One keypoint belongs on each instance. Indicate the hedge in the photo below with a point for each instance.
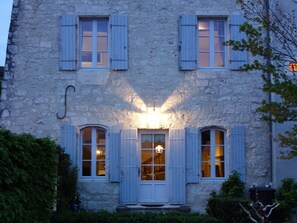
(107, 217)
(28, 175)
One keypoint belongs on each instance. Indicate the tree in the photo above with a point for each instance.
(272, 41)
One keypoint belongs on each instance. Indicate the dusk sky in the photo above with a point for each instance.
(5, 12)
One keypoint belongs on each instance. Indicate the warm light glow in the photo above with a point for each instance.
(153, 117)
(159, 149)
(99, 152)
(293, 66)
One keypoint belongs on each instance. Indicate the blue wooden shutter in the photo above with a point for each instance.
(188, 42)
(237, 58)
(192, 155)
(129, 169)
(68, 25)
(68, 141)
(114, 156)
(177, 179)
(119, 42)
(238, 150)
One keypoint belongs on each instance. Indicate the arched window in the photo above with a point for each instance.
(93, 150)
(212, 153)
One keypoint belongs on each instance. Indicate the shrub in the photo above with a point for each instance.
(28, 168)
(106, 217)
(225, 204)
(67, 182)
(287, 198)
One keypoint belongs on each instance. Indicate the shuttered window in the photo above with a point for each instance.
(102, 42)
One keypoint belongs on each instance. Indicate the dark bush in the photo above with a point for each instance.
(287, 198)
(106, 217)
(67, 182)
(225, 205)
(28, 173)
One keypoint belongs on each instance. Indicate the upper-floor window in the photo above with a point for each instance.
(211, 36)
(93, 43)
(212, 153)
(93, 150)
(201, 42)
(102, 42)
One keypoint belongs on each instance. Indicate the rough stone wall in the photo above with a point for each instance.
(33, 89)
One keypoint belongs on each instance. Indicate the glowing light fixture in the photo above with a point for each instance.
(159, 149)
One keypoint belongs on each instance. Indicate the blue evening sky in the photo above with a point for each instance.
(5, 12)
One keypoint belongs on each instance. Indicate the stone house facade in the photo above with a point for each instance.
(142, 94)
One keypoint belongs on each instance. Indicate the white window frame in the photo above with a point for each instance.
(93, 156)
(212, 153)
(94, 42)
(211, 42)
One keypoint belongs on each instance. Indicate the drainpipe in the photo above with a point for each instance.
(268, 62)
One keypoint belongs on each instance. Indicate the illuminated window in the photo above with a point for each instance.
(212, 153)
(93, 152)
(211, 36)
(93, 43)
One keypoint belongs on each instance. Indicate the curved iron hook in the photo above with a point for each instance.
(65, 101)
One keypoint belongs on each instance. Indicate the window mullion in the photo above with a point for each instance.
(211, 43)
(212, 152)
(94, 43)
(93, 152)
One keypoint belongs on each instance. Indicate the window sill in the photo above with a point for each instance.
(93, 76)
(92, 179)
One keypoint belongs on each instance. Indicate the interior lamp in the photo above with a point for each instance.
(159, 149)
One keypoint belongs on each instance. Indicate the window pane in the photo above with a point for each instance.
(100, 153)
(86, 169)
(100, 136)
(159, 139)
(87, 135)
(159, 173)
(219, 137)
(159, 158)
(102, 43)
(218, 44)
(87, 152)
(100, 168)
(87, 27)
(146, 156)
(102, 59)
(203, 28)
(205, 135)
(146, 172)
(205, 153)
(220, 169)
(219, 153)
(219, 28)
(203, 44)
(204, 59)
(102, 27)
(87, 43)
(86, 59)
(219, 59)
(205, 169)
(146, 141)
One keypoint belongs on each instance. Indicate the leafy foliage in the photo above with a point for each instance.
(106, 217)
(67, 182)
(287, 198)
(28, 170)
(272, 41)
(225, 205)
